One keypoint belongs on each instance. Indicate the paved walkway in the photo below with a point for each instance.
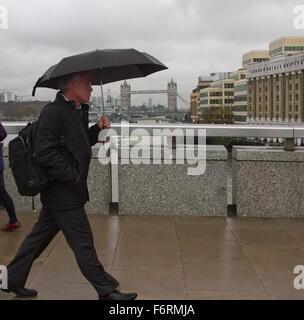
(173, 257)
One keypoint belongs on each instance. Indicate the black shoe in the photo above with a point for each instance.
(22, 292)
(116, 295)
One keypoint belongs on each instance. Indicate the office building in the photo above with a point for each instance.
(194, 104)
(216, 102)
(240, 96)
(286, 45)
(254, 56)
(275, 90)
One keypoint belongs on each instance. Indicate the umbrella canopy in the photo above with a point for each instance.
(108, 65)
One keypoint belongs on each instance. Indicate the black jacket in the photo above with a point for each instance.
(63, 148)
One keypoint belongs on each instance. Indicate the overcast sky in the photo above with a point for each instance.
(191, 37)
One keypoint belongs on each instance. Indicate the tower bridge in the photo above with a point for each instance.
(126, 92)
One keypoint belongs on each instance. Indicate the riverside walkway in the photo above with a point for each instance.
(165, 257)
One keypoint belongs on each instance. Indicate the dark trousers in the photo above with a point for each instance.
(7, 201)
(76, 229)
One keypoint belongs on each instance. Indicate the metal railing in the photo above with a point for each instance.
(287, 132)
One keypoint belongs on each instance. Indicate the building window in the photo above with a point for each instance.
(294, 48)
(216, 94)
(228, 101)
(241, 98)
(240, 118)
(216, 101)
(229, 93)
(277, 50)
(297, 86)
(204, 94)
(242, 87)
(228, 85)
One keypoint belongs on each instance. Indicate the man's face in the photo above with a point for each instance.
(82, 87)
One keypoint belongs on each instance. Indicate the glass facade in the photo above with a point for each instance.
(216, 101)
(296, 48)
(240, 98)
(260, 59)
(247, 61)
(229, 85)
(240, 118)
(204, 94)
(229, 101)
(236, 77)
(229, 93)
(275, 51)
(242, 108)
(216, 94)
(252, 60)
(242, 87)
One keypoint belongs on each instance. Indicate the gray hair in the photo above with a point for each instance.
(63, 82)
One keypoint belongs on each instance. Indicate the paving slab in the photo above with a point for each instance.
(161, 257)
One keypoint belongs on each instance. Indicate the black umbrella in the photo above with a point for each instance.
(108, 65)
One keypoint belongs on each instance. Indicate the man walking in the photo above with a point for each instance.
(63, 148)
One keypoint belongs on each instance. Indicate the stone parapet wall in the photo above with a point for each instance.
(167, 189)
(268, 181)
(98, 184)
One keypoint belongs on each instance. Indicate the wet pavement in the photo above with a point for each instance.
(163, 257)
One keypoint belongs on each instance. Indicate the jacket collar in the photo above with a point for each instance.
(69, 104)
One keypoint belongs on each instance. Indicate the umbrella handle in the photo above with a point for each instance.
(104, 138)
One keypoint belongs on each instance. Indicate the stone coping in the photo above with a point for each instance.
(213, 152)
(94, 152)
(267, 153)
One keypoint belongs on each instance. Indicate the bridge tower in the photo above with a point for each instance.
(125, 96)
(172, 98)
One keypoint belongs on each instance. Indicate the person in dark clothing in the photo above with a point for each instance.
(4, 196)
(63, 148)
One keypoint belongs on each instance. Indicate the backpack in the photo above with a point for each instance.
(29, 177)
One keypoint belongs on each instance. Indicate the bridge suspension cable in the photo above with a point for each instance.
(183, 99)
